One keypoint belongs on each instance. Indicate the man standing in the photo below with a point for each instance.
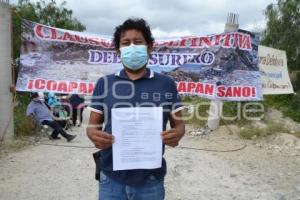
(77, 103)
(38, 110)
(133, 86)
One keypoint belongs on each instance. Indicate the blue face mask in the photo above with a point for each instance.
(134, 56)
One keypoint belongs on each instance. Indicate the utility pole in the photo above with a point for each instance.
(6, 98)
(216, 106)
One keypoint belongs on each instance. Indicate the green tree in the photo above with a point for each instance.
(283, 29)
(45, 12)
(283, 32)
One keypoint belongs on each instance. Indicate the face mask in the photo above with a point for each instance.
(36, 99)
(41, 96)
(134, 56)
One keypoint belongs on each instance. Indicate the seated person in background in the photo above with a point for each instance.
(53, 104)
(65, 102)
(40, 111)
(52, 100)
(57, 109)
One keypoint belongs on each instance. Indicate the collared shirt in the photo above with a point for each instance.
(39, 110)
(117, 91)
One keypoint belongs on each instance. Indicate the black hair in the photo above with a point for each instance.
(136, 24)
(34, 95)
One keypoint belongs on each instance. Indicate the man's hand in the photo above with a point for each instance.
(172, 136)
(101, 139)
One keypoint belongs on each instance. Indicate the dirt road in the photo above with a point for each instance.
(258, 171)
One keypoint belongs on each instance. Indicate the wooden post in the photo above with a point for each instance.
(216, 106)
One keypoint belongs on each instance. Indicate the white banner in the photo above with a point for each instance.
(219, 66)
(275, 76)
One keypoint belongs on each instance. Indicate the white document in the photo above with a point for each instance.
(138, 143)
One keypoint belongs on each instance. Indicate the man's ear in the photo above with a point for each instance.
(150, 48)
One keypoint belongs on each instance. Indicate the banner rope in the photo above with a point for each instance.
(179, 147)
(243, 146)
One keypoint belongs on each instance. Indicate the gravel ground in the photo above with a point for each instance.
(261, 170)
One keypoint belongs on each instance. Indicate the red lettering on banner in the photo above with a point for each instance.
(51, 85)
(226, 40)
(218, 40)
(199, 88)
(185, 42)
(236, 91)
(94, 41)
(38, 31)
(254, 92)
(91, 88)
(173, 43)
(82, 88)
(80, 39)
(221, 91)
(72, 86)
(62, 87)
(205, 42)
(30, 85)
(39, 84)
(247, 92)
(244, 42)
(68, 36)
(50, 33)
(53, 34)
(181, 87)
(195, 87)
(182, 43)
(106, 44)
(191, 86)
(228, 92)
(209, 89)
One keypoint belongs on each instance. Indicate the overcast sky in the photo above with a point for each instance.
(169, 17)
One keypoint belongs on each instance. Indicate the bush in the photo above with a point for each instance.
(22, 128)
(289, 105)
(250, 131)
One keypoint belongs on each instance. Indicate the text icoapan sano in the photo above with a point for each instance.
(67, 87)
